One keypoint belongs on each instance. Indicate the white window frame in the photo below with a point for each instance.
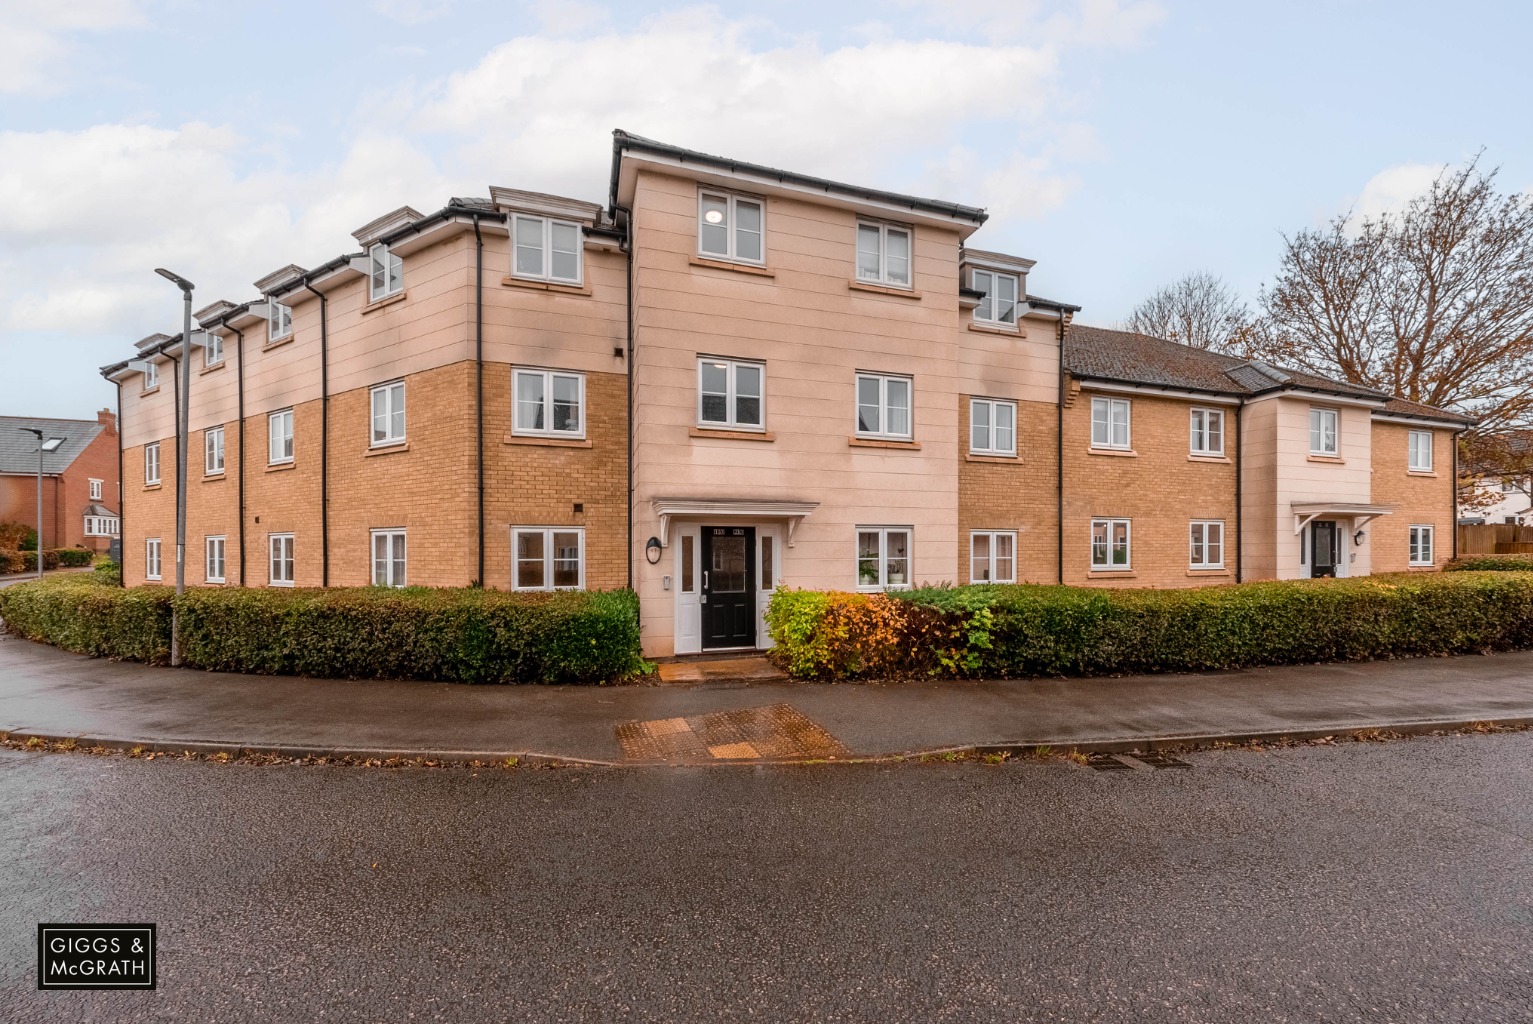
(279, 322)
(731, 201)
(1203, 431)
(394, 395)
(994, 559)
(544, 242)
(393, 267)
(212, 350)
(1112, 406)
(289, 446)
(95, 489)
(985, 312)
(151, 375)
(101, 526)
(152, 465)
(153, 552)
(883, 278)
(390, 535)
(1205, 526)
(547, 377)
(274, 562)
(1317, 421)
(991, 407)
(209, 546)
(1418, 533)
(548, 556)
(213, 451)
(884, 532)
(1128, 544)
(883, 433)
(731, 419)
(1411, 451)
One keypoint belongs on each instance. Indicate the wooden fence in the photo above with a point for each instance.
(1495, 539)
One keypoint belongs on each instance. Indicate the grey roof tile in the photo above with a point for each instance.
(18, 448)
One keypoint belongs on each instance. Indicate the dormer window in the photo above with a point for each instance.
(279, 322)
(213, 350)
(388, 272)
(151, 376)
(999, 306)
(545, 249)
(883, 254)
(729, 227)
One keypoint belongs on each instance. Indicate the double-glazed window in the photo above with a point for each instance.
(1206, 544)
(550, 403)
(100, 526)
(280, 559)
(1110, 544)
(1419, 443)
(883, 254)
(729, 227)
(387, 276)
(993, 556)
(279, 434)
(883, 557)
(1322, 432)
(214, 561)
(548, 558)
(151, 376)
(729, 393)
(1109, 423)
(999, 306)
(95, 490)
(883, 406)
(213, 349)
(1421, 545)
(213, 451)
(152, 558)
(1207, 432)
(545, 249)
(992, 427)
(279, 322)
(388, 414)
(151, 463)
(389, 558)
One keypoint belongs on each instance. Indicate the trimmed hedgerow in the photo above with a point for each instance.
(473, 636)
(74, 558)
(1490, 563)
(1017, 631)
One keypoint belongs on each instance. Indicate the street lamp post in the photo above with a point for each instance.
(50, 445)
(185, 373)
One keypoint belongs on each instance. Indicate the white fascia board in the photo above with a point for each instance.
(1206, 398)
(1321, 398)
(996, 261)
(539, 204)
(1420, 421)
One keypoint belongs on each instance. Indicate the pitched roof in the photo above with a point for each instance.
(1405, 407)
(18, 447)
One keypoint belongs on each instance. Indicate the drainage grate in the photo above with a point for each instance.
(1107, 763)
(1158, 760)
(774, 731)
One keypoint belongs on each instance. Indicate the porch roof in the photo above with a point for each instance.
(754, 508)
(1304, 511)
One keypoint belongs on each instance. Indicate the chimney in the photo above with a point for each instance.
(108, 419)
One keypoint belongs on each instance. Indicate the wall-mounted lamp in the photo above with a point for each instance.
(652, 550)
(1357, 538)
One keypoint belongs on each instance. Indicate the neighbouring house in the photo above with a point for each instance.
(80, 495)
(1486, 496)
(729, 378)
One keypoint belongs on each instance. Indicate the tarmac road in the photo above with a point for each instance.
(1360, 882)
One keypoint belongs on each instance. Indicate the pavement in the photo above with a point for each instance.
(11, 579)
(52, 693)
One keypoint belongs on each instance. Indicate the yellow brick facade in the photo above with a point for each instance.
(1423, 499)
(1017, 494)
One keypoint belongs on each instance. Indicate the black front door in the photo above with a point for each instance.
(729, 586)
(1322, 560)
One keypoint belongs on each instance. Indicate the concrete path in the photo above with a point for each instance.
(13, 578)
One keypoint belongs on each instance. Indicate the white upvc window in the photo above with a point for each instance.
(1420, 445)
(100, 526)
(214, 563)
(729, 394)
(151, 463)
(388, 403)
(548, 558)
(279, 433)
(1421, 545)
(1205, 544)
(389, 558)
(1207, 431)
(1322, 432)
(152, 558)
(279, 548)
(95, 489)
(993, 556)
(883, 254)
(999, 306)
(730, 227)
(151, 376)
(388, 272)
(550, 403)
(992, 427)
(883, 557)
(213, 350)
(213, 451)
(279, 322)
(883, 406)
(545, 249)
(1110, 423)
(1110, 539)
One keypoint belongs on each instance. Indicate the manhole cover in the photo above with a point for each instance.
(748, 734)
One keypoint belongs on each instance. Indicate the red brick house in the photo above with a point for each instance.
(81, 501)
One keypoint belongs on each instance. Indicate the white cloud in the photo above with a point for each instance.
(39, 39)
(1391, 189)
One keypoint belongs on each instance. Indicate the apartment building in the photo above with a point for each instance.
(79, 478)
(726, 379)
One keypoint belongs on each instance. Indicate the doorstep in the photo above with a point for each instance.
(747, 668)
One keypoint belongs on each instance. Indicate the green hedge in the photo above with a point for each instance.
(75, 558)
(473, 636)
(1019, 631)
(1490, 563)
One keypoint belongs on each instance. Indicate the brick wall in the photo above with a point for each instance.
(1424, 499)
(151, 512)
(1013, 494)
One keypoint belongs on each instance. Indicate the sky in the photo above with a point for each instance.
(1120, 143)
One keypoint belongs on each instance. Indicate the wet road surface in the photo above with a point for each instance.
(1361, 882)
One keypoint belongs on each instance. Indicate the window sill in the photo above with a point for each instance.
(387, 449)
(732, 435)
(537, 285)
(984, 328)
(211, 369)
(1111, 574)
(1117, 453)
(153, 579)
(1217, 459)
(1421, 568)
(277, 344)
(547, 442)
(278, 467)
(1421, 472)
(387, 300)
(149, 391)
(884, 289)
(730, 265)
(1338, 460)
(213, 476)
(151, 487)
(873, 442)
(1208, 572)
(280, 583)
(981, 457)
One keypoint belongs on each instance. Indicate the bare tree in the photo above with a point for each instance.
(1199, 310)
(1434, 304)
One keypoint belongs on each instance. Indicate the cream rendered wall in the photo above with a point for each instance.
(146, 418)
(557, 328)
(1303, 477)
(1023, 364)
